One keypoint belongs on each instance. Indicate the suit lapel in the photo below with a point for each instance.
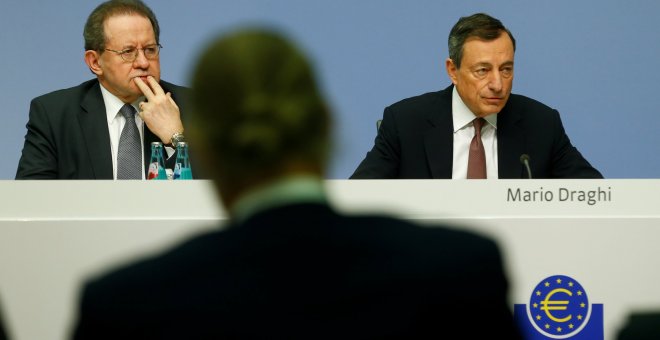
(510, 144)
(439, 139)
(94, 128)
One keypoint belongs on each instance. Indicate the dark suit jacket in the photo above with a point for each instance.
(415, 141)
(641, 326)
(3, 332)
(304, 271)
(67, 135)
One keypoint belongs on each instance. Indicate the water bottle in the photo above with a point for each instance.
(182, 168)
(157, 162)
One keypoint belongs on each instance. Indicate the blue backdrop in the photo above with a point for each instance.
(594, 61)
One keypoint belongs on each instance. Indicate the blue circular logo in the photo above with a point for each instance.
(559, 307)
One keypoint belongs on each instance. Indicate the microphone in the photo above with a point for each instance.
(524, 159)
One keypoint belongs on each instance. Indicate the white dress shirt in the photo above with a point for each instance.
(464, 131)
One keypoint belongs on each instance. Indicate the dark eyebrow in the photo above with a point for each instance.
(132, 47)
(477, 65)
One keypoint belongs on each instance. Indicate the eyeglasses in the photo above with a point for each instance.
(130, 54)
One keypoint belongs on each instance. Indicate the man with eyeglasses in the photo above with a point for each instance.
(103, 128)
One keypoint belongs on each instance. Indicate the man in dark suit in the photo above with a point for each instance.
(429, 136)
(76, 133)
(289, 265)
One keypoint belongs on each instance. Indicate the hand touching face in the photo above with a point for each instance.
(159, 111)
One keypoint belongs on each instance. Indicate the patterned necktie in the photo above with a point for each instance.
(477, 156)
(129, 153)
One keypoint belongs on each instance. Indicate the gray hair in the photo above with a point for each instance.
(479, 25)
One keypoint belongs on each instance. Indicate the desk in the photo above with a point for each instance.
(54, 234)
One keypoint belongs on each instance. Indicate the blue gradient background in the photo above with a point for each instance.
(594, 61)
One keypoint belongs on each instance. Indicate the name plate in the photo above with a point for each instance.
(438, 199)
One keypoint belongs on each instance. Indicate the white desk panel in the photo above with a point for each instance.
(54, 234)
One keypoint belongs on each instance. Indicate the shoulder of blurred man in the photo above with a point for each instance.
(320, 224)
(309, 254)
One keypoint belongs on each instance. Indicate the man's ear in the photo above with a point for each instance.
(93, 61)
(451, 70)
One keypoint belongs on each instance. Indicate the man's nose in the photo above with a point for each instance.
(141, 60)
(495, 81)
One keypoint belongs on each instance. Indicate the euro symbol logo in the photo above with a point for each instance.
(548, 305)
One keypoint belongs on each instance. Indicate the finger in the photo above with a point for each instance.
(169, 96)
(143, 87)
(155, 86)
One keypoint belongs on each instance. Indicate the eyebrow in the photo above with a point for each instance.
(481, 64)
(126, 47)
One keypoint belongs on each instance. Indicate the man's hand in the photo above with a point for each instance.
(159, 112)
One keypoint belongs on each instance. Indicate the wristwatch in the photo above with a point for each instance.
(176, 138)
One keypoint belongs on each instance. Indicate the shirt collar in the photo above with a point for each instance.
(290, 190)
(461, 114)
(114, 104)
